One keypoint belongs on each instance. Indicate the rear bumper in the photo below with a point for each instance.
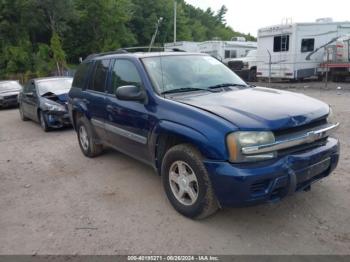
(254, 183)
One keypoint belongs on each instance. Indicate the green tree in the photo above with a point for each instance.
(36, 36)
(220, 16)
(58, 54)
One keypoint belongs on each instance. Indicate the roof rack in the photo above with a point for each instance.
(132, 50)
(125, 51)
(118, 51)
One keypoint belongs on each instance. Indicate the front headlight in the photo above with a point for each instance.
(330, 117)
(53, 106)
(237, 140)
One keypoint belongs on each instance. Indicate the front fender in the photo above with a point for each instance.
(77, 106)
(189, 135)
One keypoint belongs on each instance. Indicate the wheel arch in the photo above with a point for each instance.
(78, 110)
(168, 134)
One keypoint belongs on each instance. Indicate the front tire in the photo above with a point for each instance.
(43, 122)
(86, 139)
(186, 182)
(21, 113)
(252, 75)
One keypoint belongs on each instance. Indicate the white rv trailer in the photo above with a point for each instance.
(294, 51)
(226, 50)
(187, 46)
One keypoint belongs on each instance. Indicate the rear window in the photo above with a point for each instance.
(80, 75)
(99, 76)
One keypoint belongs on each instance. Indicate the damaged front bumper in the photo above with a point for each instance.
(57, 119)
(269, 181)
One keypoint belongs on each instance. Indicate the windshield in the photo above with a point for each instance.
(56, 86)
(187, 72)
(10, 86)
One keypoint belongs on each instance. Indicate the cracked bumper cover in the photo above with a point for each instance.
(57, 119)
(254, 183)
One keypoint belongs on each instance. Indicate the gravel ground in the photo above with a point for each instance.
(53, 200)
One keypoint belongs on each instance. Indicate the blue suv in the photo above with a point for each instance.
(215, 141)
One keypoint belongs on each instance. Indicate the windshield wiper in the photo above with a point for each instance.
(186, 89)
(226, 85)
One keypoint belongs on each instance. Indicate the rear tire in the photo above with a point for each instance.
(186, 182)
(252, 75)
(86, 139)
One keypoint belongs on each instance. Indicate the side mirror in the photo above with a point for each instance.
(29, 94)
(130, 93)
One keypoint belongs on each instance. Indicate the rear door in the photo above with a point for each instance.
(94, 96)
(127, 122)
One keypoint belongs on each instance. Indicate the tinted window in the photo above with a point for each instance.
(124, 73)
(307, 45)
(281, 43)
(98, 79)
(29, 87)
(80, 75)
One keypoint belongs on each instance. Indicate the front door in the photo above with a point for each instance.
(127, 122)
(30, 101)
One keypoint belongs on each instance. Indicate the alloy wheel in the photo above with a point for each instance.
(83, 138)
(183, 183)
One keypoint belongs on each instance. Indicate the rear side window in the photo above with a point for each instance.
(80, 75)
(99, 76)
(124, 73)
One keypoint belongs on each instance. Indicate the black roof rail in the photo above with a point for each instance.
(118, 51)
(146, 48)
(126, 50)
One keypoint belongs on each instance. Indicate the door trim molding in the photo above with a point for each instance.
(120, 131)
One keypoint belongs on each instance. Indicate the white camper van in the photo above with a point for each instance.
(226, 50)
(187, 46)
(294, 51)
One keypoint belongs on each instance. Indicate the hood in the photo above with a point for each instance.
(63, 97)
(59, 97)
(259, 108)
(9, 92)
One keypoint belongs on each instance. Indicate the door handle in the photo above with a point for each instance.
(112, 109)
(109, 108)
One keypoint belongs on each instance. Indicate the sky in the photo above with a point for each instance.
(247, 16)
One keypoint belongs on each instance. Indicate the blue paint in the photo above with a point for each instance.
(204, 119)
